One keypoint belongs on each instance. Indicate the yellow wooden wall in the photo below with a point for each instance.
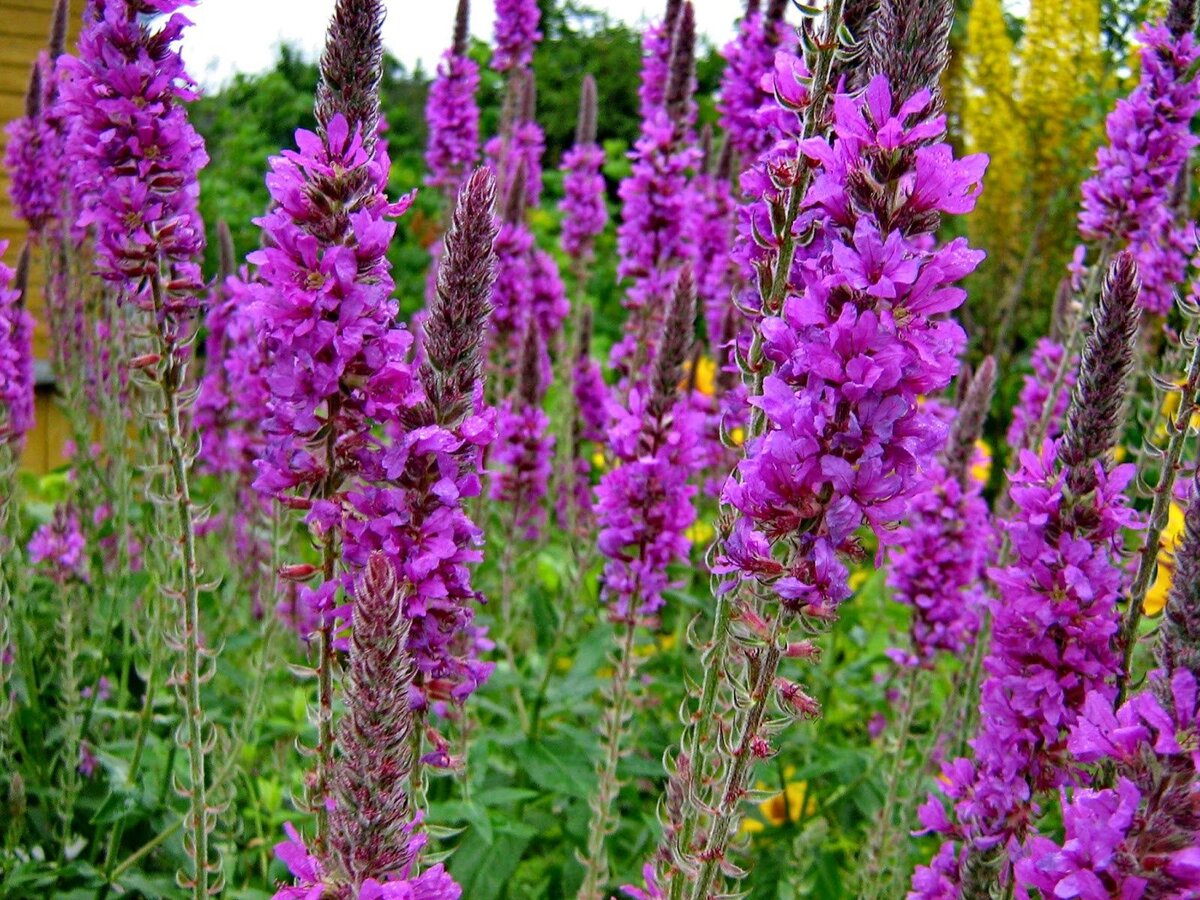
(24, 30)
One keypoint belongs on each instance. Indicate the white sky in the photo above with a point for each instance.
(243, 35)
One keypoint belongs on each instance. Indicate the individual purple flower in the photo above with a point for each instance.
(16, 357)
(584, 210)
(644, 503)
(89, 763)
(748, 57)
(453, 113)
(516, 34)
(134, 154)
(58, 547)
(522, 459)
(1128, 201)
(1035, 389)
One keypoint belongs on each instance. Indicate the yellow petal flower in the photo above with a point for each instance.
(858, 578)
(981, 468)
(738, 436)
(598, 461)
(706, 376)
(1156, 597)
(700, 532)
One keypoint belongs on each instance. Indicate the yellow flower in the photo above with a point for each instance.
(1170, 406)
(786, 806)
(738, 436)
(667, 642)
(700, 532)
(706, 376)
(858, 578)
(981, 468)
(1168, 543)
(598, 461)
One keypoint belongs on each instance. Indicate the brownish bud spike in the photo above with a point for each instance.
(352, 66)
(455, 326)
(226, 254)
(58, 29)
(585, 128)
(910, 44)
(968, 424)
(462, 28)
(776, 10)
(33, 93)
(752, 6)
(683, 64)
(529, 377)
(514, 200)
(529, 97)
(674, 346)
(1181, 17)
(1096, 415)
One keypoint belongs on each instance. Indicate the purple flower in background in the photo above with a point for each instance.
(657, 43)
(937, 563)
(35, 156)
(516, 34)
(584, 210)
(58, 548)
(748, 57)
(16, 358)
(524, 450)
(1129, 199)
(452, 112)
(644, 503)
(1035, 389)
(134, 154)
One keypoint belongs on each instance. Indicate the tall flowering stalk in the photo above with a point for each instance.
(413, 505)
(453, 112)
(1129, 199)
(644, 508)
(584, 211)
(135, 164)
(516, 34)
(657, 46)
(1055, 624)
(652, 240)
(337, 360)
(838, 438)
(373, 841)
(937, 567)
(16, 417)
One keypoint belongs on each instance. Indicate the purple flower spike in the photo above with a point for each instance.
(516, 34)
(453, 113)
(16, 356)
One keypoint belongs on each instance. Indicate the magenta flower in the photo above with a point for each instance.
(16, 360)
(516, 34)
(134, 155)
(748, 57)
(452, 112)
(1035, 390)
(1129, 199)
(35, 156)
(58, 548)
(584, 210)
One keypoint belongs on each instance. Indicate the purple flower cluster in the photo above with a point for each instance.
(516, 34)
(453, 116)
(518, 153)
(35, 157)
(434, 883)
(748, 57)
(135, 156)
(1128, 200)
(644, 503)
(1138, 838)
(337, 358)
(861, 338)
(937, 563)
(1052, 644)
(653, 240)
(59, 548)
(1035, 390)
(16, 360)
(644, 507)
(583, 206)
(657, 41)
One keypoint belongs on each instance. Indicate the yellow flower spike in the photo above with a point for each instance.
(1168, 543)
(598, 461)
(981, 468)
(700, 532)
(738, 436)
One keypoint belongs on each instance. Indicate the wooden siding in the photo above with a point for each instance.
(24, 30)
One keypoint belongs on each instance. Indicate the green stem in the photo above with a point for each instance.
(608, 786)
